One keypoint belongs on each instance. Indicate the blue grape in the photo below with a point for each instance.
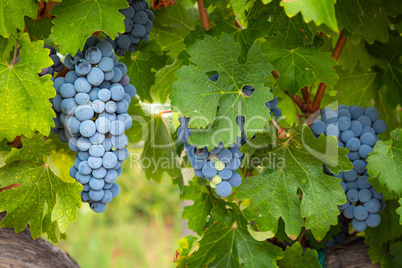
(111, 176)
(225, 156)
(235, 180)
(125, 80)
(94, 162)
(84, 168)
(92, 41)
(73, 171)
(368, 139)
(85, 187)
(117, 75)
(329, 117)
(95, 76)
(108, 185)
(351, 185)
(84, 112)
(104, 94)
(98, 207)
(343, 186)
(109, 160)
(83, 67)
(380, 126)
(365, 121)
(83, 155)
(344, 206)
(67, 90)
(376, 195)
(130, 90)
(93, 94)
(359, 166)
(115, 189)
(117, 92)
(373, 206)
(372, 113)
(96, 195)
(365, 150)
(81, 178)
(347, 135)
(106, 64)
(208, 170)
(365, 195)
(83, 144)
(117, 128)
(121, 106)
(356, 128)
(234, 164)
(82, 85)
(359, 226)
(102, 125)
(128, 12)
(373, 220)
(109, 75)
(93, 55)
(105, 48)
(68, 105)
(224, 189)
(349, 212)
(98, 106)
(111, 107)
(332, 130)
(57, 103)
(353, 144)
(138, 31)
(350, 175)
(121, 154)
(226, 174)
(96, 184)
(360, 213)
(73, 125)
(97, 138)
(368, 130)
(352, 195)
(123, 42)
(356, 112)
(122, 67)
(344, 113)
(362, 183)
(96, 150)
(344, 123)
(107, 143)
(99, 173)
(82, 98)
(107, 196)
(87, 128)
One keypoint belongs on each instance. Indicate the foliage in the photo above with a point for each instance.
(293, 47)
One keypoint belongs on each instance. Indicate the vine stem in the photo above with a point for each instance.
(15, 53)
(238, 25)
(203, 15)
(321, 88)
(165, 112)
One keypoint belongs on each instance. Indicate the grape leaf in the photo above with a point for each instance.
(43, 199)
(39, 29)
(238, 5)
(198, 212)
(295, 258)
(375, 23)
(156, 129)
(25, 96)
(294, 30)
(387, 113)
(288, 166)
(385, 162)
(78, 19)
(381, 238)
(163, 79)
(348, 14)
(392, 76)
(320, 11)
(195, 96)
(142, 66)
(228, 243)
(172, 25)
(393, 7)
(356, 55)
(355, 88)
(298, 67)
(13, 13)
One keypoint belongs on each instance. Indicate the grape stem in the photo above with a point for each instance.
(237, 24)
(15, 53)
(305, 105)
(203, 15)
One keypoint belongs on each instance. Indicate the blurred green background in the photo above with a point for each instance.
(140, 228)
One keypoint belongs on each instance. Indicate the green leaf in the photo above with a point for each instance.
(43, 200)
(294, 30)
(228, 243)
(387, 113)
(197, 213)
(142, 66)
(156, 130)
(195, 96)
(392, 76)
(291, 165)
(381, 238)
(25, 96)
(295, 258)
(348, 14)
(13, 13)
(39, 29)
(163, 80)
(78, 19)
(298, 67)
(375, 24)
(356, 88)
(354, 55)
(172, 25)
(385, 162)
(393, 7)
(319, 11)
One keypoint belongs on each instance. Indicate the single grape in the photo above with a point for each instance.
(98, 207)
(104, 94)
(359, 226)
(84, 112)
(96, 195)
(95, 76)
(96, 184)
(82, 98)
(93, 55)
(115, 189)
(360, 213)
(373, 220)
(99, 173)
(224, 189)
(87, 128)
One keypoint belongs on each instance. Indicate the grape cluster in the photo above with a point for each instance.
(138, 24)
(219, 166)
(91, 106)
(57, 66)
(356, 129)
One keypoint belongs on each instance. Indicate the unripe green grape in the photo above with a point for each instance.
(219, 165)
(217, 179)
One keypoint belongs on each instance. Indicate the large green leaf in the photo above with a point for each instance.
(298, 67)
(319, 11)
(142, 66)
(156, 129)
(43, 200)
(172, 25)
(195, 96)
(385, 162)
(24, 95)
(13, 13)
(163, 79)
(392, 69)
(289, 166)
(76, 20)
(228, 243)
(374, 23)
(296, 258)
(197, 213)
(348, 14)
